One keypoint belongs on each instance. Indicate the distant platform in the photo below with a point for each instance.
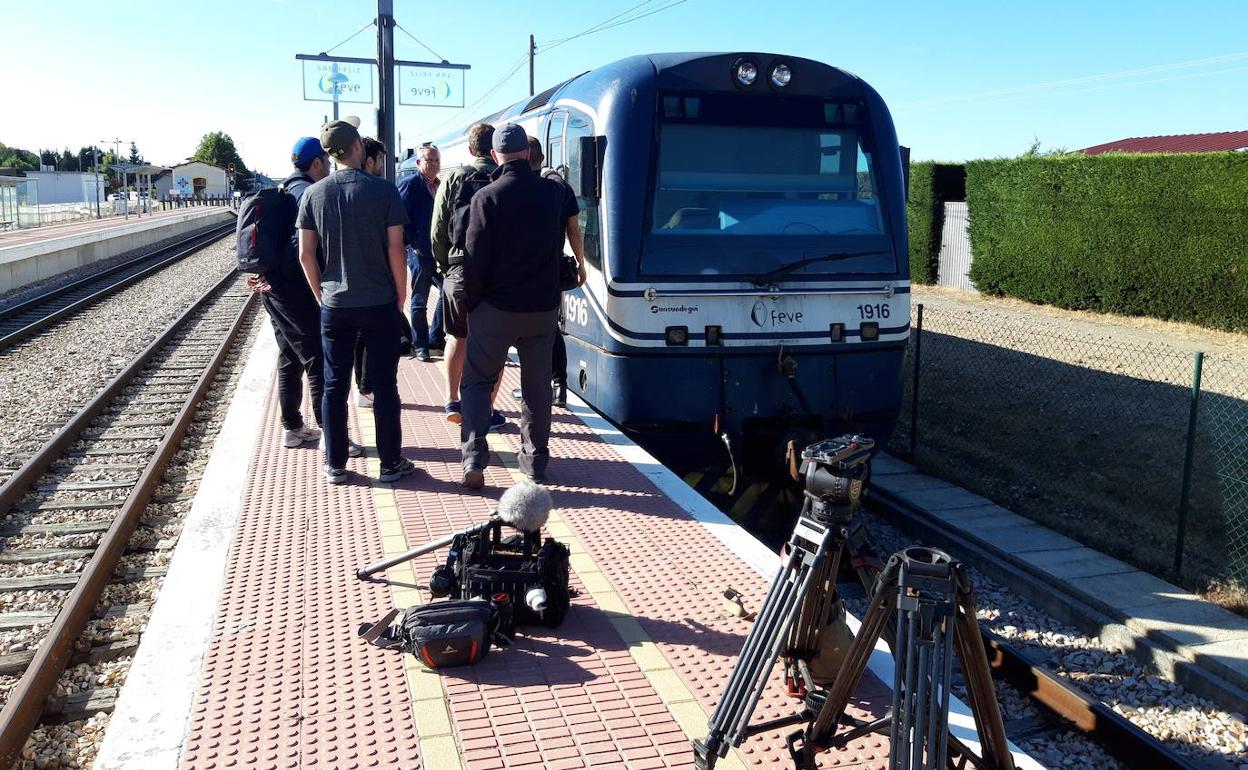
(37, 253)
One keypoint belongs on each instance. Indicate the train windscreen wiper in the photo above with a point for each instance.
(764, 279)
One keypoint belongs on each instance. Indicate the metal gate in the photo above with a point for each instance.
(954, 261)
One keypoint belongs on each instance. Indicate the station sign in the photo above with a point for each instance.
(327, 80)
(428, 85)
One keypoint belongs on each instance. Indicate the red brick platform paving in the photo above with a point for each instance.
(286, 683)
(668, 568)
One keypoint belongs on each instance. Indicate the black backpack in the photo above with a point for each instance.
(265, 227)
(472, 181)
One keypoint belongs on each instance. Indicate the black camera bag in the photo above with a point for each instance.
(440, 635)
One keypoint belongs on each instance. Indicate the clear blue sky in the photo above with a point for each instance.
(964, 79)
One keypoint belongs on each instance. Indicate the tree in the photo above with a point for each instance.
(15, 157)
(218, 149)
(135, 157)
(67, 161)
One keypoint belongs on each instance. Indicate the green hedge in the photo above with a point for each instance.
(1154, 235)
(931, 184)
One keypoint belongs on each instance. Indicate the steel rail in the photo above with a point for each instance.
(195, 242)
(25, 705)
(16, 485)
(1112, 731)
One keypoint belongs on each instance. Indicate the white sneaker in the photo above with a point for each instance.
(353, 449)
(363, 399)
(293, 438)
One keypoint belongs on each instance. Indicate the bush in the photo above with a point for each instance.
(1152, 234)
(931, 185)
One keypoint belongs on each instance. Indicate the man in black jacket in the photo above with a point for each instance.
(511, 286)
(293, 310)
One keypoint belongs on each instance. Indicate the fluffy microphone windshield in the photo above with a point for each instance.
(526, 506)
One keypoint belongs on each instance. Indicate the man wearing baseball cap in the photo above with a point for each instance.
(511, 287)
(351, 248)
(293, 310)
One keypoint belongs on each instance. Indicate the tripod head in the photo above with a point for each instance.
(836, 472)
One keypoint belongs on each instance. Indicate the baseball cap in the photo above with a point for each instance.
(306, 150)
(338, 135)
(510, 138)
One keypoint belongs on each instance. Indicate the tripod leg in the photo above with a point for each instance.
(980, 695)
(731, 717)
(823, 728)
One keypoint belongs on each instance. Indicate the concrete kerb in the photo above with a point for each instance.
(1211, 670)
(148, 726)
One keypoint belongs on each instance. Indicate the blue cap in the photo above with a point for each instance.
(306, 150)
(510, 138)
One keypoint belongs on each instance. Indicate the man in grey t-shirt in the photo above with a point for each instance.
(359, 277)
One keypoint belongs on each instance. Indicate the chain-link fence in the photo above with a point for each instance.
(1089, 433)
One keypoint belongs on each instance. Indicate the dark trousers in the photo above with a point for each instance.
(297, 325)
(559, 359)
(361, 365)
(490, 332)
(424, 275)
(340, 329)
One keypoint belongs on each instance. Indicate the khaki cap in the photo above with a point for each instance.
(338, 135)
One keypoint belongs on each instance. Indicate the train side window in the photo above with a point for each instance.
(554, 139)
(579, 125)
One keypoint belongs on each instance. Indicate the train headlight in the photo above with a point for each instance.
(677, 335)
(746, 72)
(870, 332)
(836, 332)
(781, 74)
(714, 335)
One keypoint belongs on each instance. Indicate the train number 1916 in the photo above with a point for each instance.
(575, 310)
(872, 311)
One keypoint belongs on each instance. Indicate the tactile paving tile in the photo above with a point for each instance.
(285, 683)
(571, 697)
(665, 565)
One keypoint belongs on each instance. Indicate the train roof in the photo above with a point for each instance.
(655, 65)
(660, 62)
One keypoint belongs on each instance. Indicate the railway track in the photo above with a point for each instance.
(32, 315)
(69, 512)
(1061, 707)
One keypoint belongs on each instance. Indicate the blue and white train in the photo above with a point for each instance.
(744, 221)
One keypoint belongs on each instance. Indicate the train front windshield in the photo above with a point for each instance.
(733, 187)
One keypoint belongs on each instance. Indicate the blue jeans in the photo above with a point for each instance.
(374, 327)
(425, 274)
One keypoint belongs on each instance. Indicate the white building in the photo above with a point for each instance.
(193, 179)
(67, 186)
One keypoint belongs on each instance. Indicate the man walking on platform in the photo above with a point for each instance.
(417, 192)
(450, 218)
(511, 286)
(358, 276)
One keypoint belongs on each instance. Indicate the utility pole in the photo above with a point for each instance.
(532, 53)
(385, 68)
(96, 152)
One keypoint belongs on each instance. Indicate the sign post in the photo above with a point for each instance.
(350, 79)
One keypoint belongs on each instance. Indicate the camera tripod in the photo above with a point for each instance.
(925, 588)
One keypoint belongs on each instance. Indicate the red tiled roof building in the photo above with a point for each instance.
(1224, 141)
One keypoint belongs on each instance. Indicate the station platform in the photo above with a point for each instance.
(33, 254)
(252, 657)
